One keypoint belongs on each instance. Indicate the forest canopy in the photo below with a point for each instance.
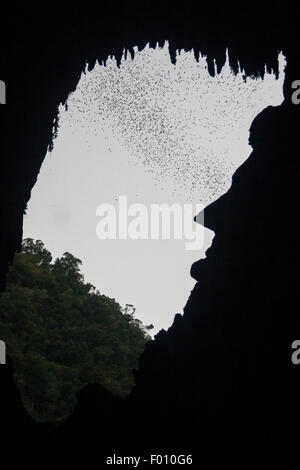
(62, 334)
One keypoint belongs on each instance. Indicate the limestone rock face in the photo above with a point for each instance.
(228, 359)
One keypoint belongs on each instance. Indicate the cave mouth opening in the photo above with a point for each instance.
(155, 132)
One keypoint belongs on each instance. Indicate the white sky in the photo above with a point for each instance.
(157, 133)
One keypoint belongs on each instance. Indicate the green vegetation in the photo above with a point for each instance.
(62, 333)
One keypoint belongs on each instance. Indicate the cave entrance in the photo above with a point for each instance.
(155, 133)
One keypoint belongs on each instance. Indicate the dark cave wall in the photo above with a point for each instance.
(212, 368)
(228, 358)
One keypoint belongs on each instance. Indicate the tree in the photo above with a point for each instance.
(62, 333)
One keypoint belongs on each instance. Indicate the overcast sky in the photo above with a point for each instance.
(157, 133)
